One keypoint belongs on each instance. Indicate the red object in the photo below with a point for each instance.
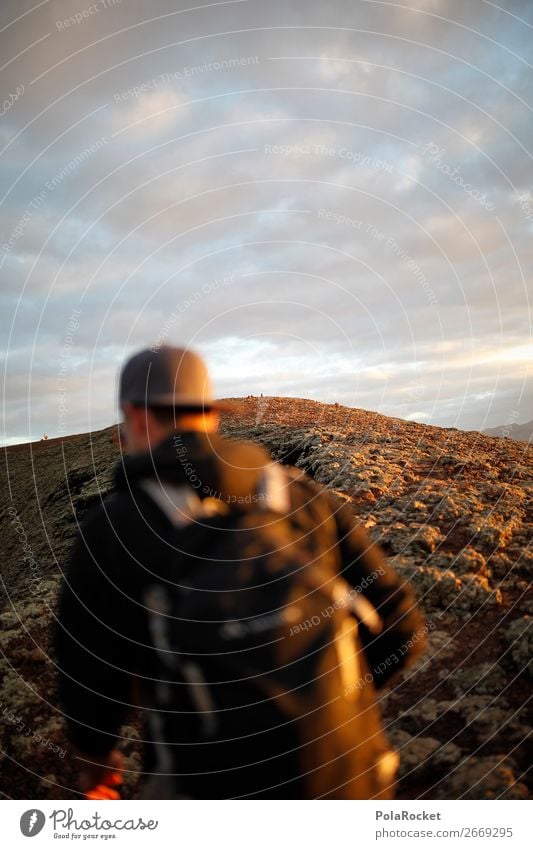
(105, 789)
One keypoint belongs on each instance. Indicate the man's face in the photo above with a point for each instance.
(141, 431)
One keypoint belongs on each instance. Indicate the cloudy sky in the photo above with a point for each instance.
(328, 200)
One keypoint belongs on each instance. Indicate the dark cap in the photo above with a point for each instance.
(166, 377)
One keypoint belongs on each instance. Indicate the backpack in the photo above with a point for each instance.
(257, 637)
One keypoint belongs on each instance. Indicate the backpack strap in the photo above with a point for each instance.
(180, 504)
(273, 489)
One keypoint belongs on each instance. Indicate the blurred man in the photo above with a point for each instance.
(234, 603)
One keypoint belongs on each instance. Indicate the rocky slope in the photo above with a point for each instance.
(452, 511)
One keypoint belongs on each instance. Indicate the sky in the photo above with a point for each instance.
(327, 200)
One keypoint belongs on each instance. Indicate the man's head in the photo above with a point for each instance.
(162, 391)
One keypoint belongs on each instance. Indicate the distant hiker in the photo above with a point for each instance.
(237, 604)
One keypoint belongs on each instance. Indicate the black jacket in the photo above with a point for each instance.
(104, 650)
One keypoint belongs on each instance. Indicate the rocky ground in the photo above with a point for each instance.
(452, 510)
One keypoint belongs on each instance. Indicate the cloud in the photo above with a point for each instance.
(325, 197)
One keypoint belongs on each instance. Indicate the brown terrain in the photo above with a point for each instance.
(452, 510)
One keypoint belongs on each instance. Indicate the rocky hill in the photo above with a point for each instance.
(451, 509)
